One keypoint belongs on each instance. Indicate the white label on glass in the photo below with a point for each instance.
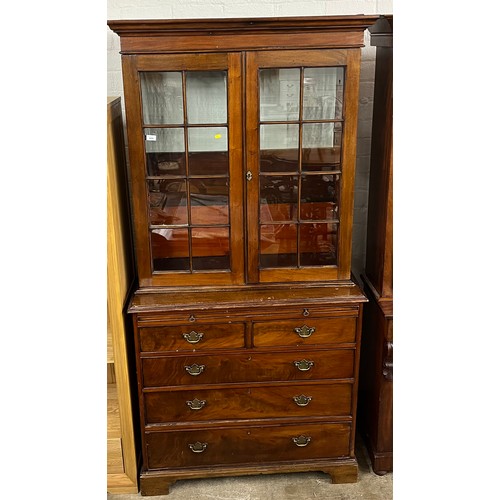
(150, 137)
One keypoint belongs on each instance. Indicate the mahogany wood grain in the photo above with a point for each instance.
(248, 367)
(282, 332)
(326, 399)
(343, 470)
(213, 336)
(375, 393)
(247, 445)
(351, 95)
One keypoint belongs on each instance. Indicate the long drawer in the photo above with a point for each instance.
(247, 445)
(308, 331)
(246, 403)
(251, 367)
(189, 337)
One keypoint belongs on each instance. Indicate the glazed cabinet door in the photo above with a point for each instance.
(301, 120)
(185, 148)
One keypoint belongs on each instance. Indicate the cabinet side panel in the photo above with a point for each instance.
(136, 156)
(349, 162)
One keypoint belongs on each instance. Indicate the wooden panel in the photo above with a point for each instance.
(326, 331)
(171, 370)
(115, 460)
(252, 402)
(186, 43)
(248, 444)
(120, 274)
(213, 336)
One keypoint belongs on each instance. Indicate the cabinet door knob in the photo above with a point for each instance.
(193, 337)
(249, 176)
(303, 365)
(301, 440)
(302, 400)
(196, 404)
(304, 331)
(198, 447)
(195, 369)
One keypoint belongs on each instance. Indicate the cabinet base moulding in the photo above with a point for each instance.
(159, 482)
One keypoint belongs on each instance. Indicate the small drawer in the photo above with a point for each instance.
(254, 367)
(306, 331)
(189, 337)
(247, 445)
(253, 402)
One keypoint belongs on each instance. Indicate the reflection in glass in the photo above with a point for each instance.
(165, 151)
(170, 249)
(209, 201)
(207, 148)
(319, 197)
(278, 198)
(278, 245)
(162, 98)
(167, 202)
(323, 93)
(206, 95)
(210, 247)
(279, 148)
(321, 146)
(279, 94)
(318, 244)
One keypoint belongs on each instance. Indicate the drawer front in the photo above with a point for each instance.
(247, 445)
(189, 337)
(258, 402)
(260, 367)
(304, 331)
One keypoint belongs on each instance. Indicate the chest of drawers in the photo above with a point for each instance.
(261, 382)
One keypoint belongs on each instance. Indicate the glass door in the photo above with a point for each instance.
(300, 151)
(190, 183)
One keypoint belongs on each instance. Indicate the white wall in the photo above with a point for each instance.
(173, 9)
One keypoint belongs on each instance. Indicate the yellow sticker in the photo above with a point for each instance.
(218, 136)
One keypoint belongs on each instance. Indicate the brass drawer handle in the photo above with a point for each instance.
(198, 447)
(195, 369)
(196, 404)
(304, 331)
(302, 400)
(303, 365)
(301, 440)
(193, 337)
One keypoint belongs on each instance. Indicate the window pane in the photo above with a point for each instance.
(162, 98)
(208, 151)
(278, 198)
(318, 244)
(206, 95)
(278, 245)
(319, 197)
(323, 93)
(167, 202)
(210, 247)
(279, 94)
(279, 148)
(170, 249)
(209, 201)
(165, 151)
(321, 146)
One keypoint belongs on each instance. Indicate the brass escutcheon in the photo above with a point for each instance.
(193, 337)
(302, 400)
(196, 404)
(195, 369)
(303, 365)
(301, 440)
(304, 331)
(199, 447)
